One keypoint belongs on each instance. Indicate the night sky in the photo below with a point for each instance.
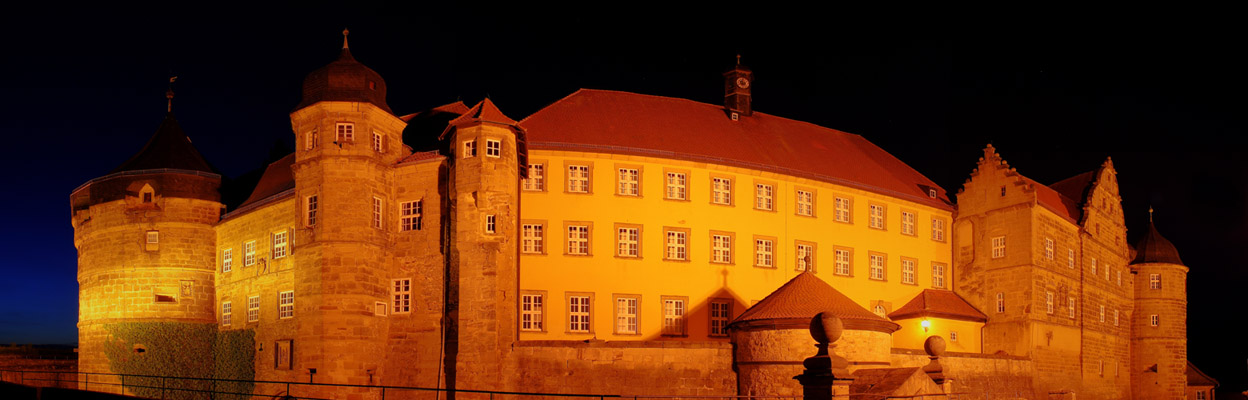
(83, 90)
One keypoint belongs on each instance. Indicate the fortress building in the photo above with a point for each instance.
(615, 243)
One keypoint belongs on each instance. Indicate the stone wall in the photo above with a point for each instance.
(660, 368)
(979, 376)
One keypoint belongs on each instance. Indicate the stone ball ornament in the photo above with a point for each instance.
(826, 327)
(934, 346)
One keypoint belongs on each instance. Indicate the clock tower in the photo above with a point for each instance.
(737, 82)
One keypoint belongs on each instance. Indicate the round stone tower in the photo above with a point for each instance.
(146, 244)
(1159, 324)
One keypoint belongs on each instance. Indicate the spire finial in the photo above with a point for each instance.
(1150, 214)
(169, 94)
(344, 37)
(738, 59)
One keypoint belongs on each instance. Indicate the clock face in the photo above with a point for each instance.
(743, 83)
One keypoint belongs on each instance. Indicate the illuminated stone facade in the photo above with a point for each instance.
(584, 250)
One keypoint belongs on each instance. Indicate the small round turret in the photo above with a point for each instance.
(1159, 325)
(345, 79)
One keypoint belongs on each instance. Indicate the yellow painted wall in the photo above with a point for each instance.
(911, 335)
(604, 275)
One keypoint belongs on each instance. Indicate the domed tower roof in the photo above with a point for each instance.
(1153, 248)
(345, 79)
(168, 148)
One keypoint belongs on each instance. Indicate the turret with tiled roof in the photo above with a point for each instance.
(1154, 248)
(1159, 323)
(345, 79)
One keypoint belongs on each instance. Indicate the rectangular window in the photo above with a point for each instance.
(1000, 302)
(938, 229)
(677, 242)
(843, 209)
(531, 238)
(470, 149)
(805, 260)
(721, 249)
(877, 216)
(531, 312)
(309, 139)
(1094, 266)
(1070, 306)
(410, 218)
(721, 191)
(493, 148)
(1154, 320)
(938, 276)
(1115, 317)
(578, 240)
(286, 305)
(377, 212)
(279, 245)
(1070, 258)
(1048, 302)
(400, 296)
(628, 242)
(907, 223)
(1119, 274)
(491, 224)
(345, 132)
(843, 262)
(226, 311)
(673, 317)
(578, 314)
(1048, 248)
(877, 266)
(578, 178)
(253, 308)
(998, 247)
(310, 211)
(537, 178)
(907, 271)
(676, 186)
(805, 203)
(249, 253)
(629, 182)
(764, 198)
(227, 260)
(721, 314)
(763, 254)
(377, 143)
(153, 237)
(1154, 281)
(1102, 313)
(626, 315)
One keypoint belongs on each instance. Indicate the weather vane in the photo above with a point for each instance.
(169, 93)
(344, 37)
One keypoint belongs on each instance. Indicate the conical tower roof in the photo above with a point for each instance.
(1153, 248)
(168, 148)
(806, 295)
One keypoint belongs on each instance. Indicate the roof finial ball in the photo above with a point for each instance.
(935, 347)
(1150, 214)
(826, 329)
(344, 37)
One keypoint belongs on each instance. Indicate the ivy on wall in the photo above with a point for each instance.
(181, 350)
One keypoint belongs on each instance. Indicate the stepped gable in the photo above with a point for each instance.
(1154, 248)
(939, 304)
(1046, 197)
(277, 178)
(168, 148)
(344, 79)
(804, 296)
(638, 124)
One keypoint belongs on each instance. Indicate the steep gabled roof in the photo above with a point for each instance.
(1196, 377)
(1075, 187)
(1055, 201)
(804, 296)
(168, 148)
(630, 123)
(939, 304)
(485, 111)
(277, 178)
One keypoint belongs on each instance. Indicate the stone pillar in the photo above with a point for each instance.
(826, 376)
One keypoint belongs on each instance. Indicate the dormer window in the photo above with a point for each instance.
(931, 193)
(345, 132)
(147, 194)
(147, 197)
(372, 85)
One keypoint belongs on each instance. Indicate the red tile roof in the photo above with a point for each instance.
(168, 148)
(457, 108)
(1055, 201)
(485, 111)
(620, 122)
(277, 178)
(805, 296)
(939, 304)
(420, 156)
(1196, 377)
(1074, 187)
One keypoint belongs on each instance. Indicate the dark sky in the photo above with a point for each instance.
(1163, 95)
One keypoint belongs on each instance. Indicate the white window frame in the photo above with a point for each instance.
(531, 305)
(579, 314)
(401, 296)
(310, 205)
(1154, 320)
(227, 260)
(249, 253)
(469, 149)
(378, 143)
(1115, 317)
(1119, 277)
(674, 317)
(805, 203)
(1093, 266)
(409, 215)
(280, 242)
(630, 182)
(491, 224)
(764, 196)
(253, 309)
(286, 304)
(628, 242)
(344, 132)
(877, 263)
(844, 262)
(764, 253)
(677, 188)
(721, 249)
(938, 275)
(1070, 258)
(531, 238)
(1102, 313)
(804, 257)
(578, 178)
(844, 209)
(153, 237)
(1000, 302)
(493, 148)
(721, 315)
(721, 190)
(908, 268)
(536, 181)
(677, 245)
(998, 247)
(578, 240)
(876, 213)
(227, 313)
(1048, 303)
(626, 315)
(1070, 306)
(378, 212)
(1048, 248)
(938, 229)
(309, 139)
(908, 223)
(1154, 281)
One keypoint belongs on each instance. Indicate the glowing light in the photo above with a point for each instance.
(926, 325)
